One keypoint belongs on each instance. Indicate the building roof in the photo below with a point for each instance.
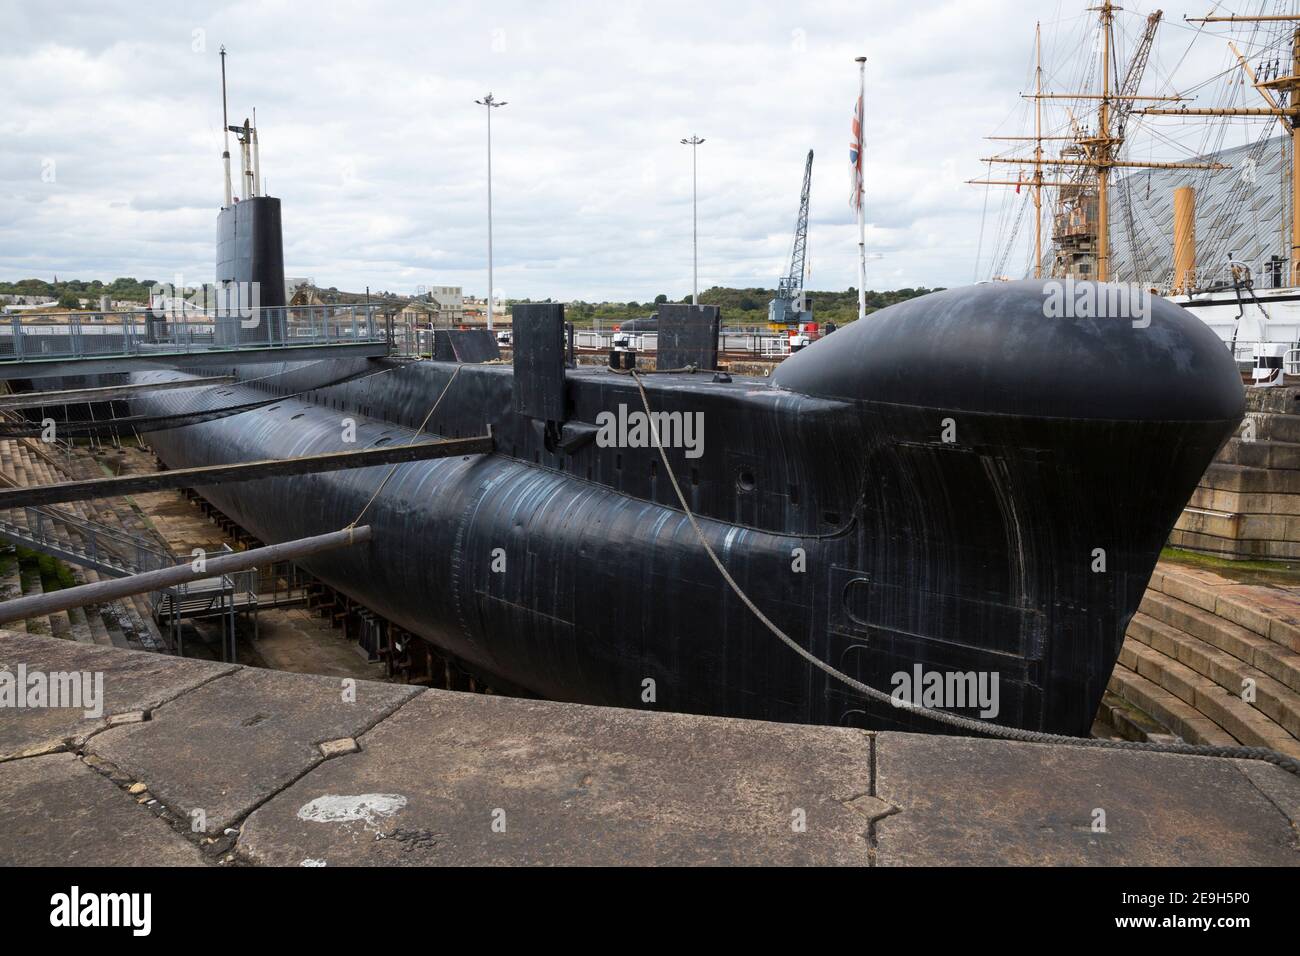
(1239, 214)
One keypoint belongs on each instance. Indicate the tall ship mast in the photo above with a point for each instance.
(1277, 93)
(1115, 214)
(1081, 169)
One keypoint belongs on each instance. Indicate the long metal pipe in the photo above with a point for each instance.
(694, 143)
(695, 227)
(208, 475)
(225, 129)
(100, 592)
(105, 393)
(489, 104)
(257, 160)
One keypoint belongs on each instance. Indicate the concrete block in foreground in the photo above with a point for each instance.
(133, 681)
(975, 802)
(467, 779)
(229, 745)
(56, 811)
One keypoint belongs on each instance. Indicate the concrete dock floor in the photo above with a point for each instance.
(197, 762)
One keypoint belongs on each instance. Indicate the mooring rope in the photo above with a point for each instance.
(939, 716)
(393, 469)
(684, 370)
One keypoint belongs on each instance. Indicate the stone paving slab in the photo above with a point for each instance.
(573, 785)
(56, 811)
(444, 778)
(133, 681)
(1276, 784)
(227, 746)
(965, 801)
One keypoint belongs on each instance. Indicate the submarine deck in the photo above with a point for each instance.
(285, 773)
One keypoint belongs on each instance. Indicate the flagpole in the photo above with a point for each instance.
(862, 222)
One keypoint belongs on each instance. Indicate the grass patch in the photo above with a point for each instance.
(1210, 561)
(55, 575)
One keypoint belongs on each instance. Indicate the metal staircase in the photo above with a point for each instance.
(117, 553)
(76, 539)
(82, 542)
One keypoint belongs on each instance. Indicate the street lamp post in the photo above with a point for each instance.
(694, 143)
(491, 104)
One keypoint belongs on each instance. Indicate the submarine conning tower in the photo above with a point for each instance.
(250, 244)
(250, 270)
(964, 483)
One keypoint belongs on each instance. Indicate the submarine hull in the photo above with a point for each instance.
(948, 523)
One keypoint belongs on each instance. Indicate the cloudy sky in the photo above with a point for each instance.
(110, 135)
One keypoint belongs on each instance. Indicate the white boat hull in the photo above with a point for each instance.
(1262, 326)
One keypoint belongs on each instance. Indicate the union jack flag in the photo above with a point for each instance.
(855, 157)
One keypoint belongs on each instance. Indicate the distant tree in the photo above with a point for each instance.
(660, 299)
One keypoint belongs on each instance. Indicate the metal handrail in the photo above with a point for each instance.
(233, 583)
(106, 547)
(1244, 351)
(159, 331)
(763, 343)
(115, 550)
(1221, 277)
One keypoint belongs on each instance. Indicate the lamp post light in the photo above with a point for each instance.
(694, 143)
(490, 104)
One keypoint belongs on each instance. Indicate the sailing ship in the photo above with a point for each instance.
(1214, 230)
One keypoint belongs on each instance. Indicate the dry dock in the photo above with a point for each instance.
(206, 763)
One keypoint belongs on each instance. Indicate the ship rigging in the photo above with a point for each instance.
(1209, 228)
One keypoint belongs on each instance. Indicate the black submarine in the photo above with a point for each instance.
(971, 483)
(958, 484)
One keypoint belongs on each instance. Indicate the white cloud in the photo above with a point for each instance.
(371, 137)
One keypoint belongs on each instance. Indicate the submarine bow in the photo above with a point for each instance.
(960, 484)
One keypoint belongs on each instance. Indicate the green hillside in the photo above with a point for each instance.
(740, 307)
(68, 291)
